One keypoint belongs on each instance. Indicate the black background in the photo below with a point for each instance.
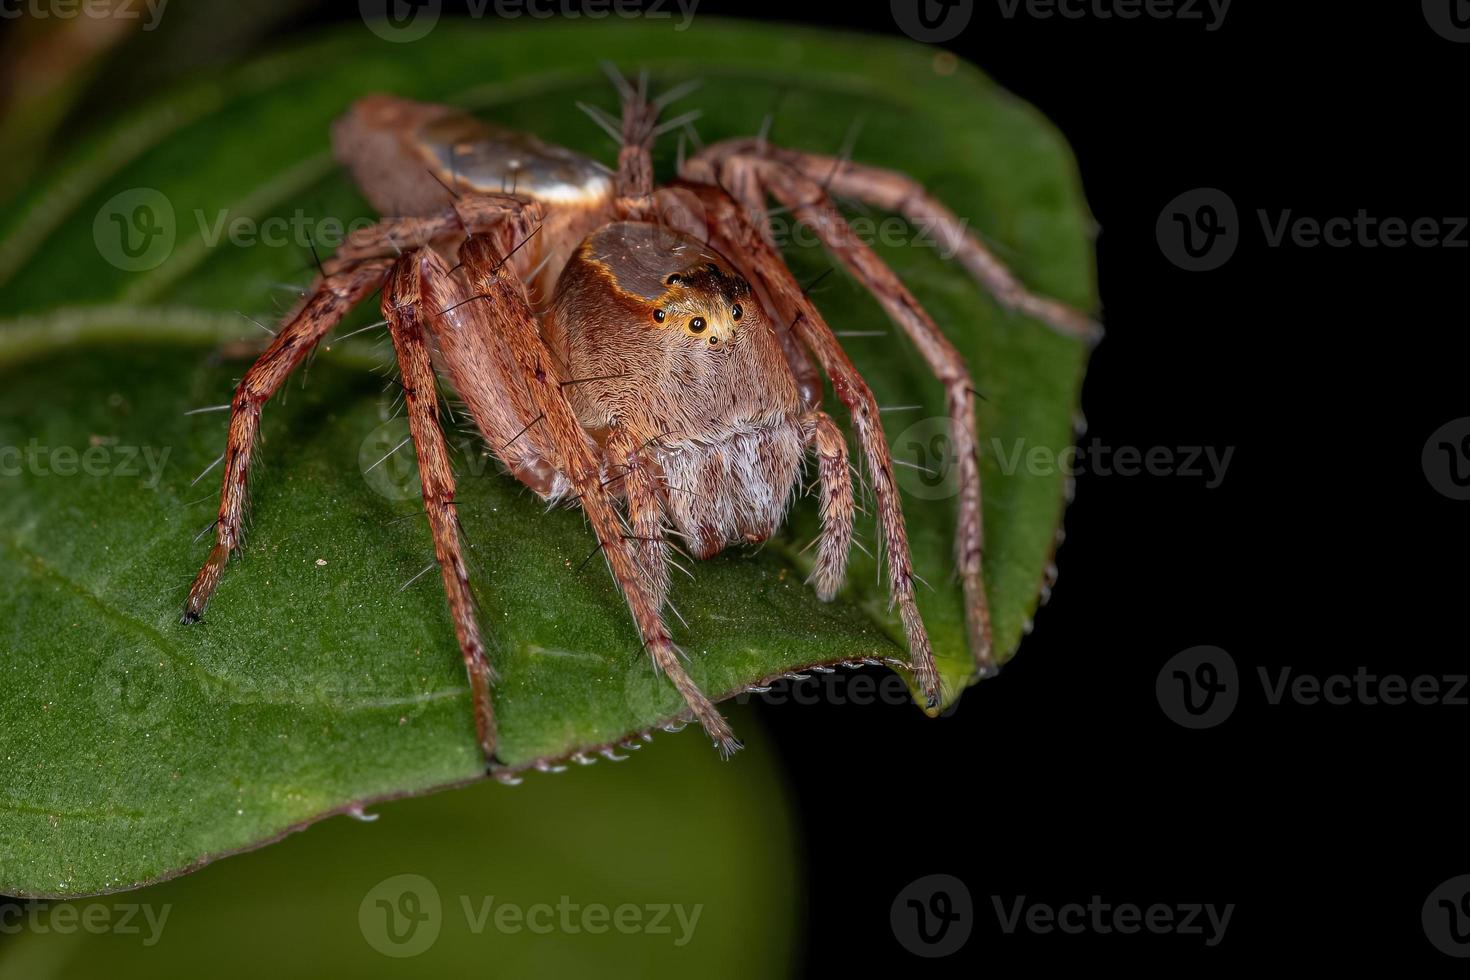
(1324, 549)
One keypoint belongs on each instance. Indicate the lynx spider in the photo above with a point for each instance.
(666, 385)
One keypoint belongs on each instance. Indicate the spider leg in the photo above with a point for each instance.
(837, 504)
(388, 239)
(330, 299)
(394, 236)
(902, 194)
(349, 276)
(634, 184)
(504, 320)
(404, 309)
(740, 239)
(645, 493)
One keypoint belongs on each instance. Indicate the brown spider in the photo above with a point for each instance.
(668, 371)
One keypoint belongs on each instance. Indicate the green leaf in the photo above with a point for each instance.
(137, 747)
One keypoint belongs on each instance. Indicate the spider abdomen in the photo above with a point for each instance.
(735, 489)
(411, 157)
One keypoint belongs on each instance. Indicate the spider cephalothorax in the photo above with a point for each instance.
(666, 385)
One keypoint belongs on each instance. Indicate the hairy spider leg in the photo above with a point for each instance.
(404, 309)
(330, 299)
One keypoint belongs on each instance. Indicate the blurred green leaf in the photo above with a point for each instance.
(137, 747)
(662, 866)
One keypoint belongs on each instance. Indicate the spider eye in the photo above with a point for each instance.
(736, 312)
(714, 340)
(697, 325)
(659, 316)
(674, 280)
(714, 268)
